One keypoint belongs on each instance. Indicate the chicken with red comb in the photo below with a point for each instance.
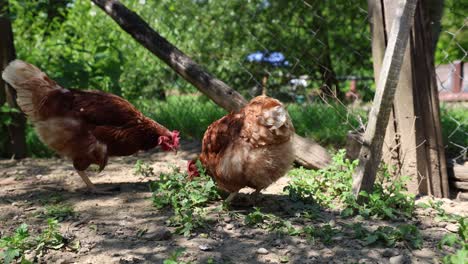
(86, 126)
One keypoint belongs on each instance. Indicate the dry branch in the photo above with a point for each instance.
(308, 153)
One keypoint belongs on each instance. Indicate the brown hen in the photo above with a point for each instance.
(85, 126)
(251, 148)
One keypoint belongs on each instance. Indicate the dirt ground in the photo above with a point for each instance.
(109, 227)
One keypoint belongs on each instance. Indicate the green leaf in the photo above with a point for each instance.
(448, 240)
(10, 254)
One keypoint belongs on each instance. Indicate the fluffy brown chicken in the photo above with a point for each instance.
(251, 148)
(85, 126)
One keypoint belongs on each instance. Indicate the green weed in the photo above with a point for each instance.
(270, 222)
(174, 258)
(59, 211)
(14, 246)
(442, 215)
(187, 199)
(143, 169)
(388, 236)
(332, 186)
(325, 233)
(459, 242)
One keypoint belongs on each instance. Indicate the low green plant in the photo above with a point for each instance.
(332, 187)
(174, 258)
(388, 236)
(143, 169)
(58, 211)
(388, 200)
(324, 186)
(50, 237)
(187, 198)
(325, 233)
(442, 215)
(271, 222)
(459, 242)
(14, 246)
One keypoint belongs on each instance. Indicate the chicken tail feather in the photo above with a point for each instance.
(31, 85)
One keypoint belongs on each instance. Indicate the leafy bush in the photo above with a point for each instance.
(187, 198)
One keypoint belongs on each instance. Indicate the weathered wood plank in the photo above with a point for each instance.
(371, 152)
(308, 153)
(460, 172)
(461, 185)
(462, 196)
(406, 144)
(424, 85)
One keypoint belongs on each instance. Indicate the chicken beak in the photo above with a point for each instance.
(103, 164)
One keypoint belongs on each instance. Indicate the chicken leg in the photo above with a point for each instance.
(255, 197)
(86, 180)
(230, 197)
(90, 185)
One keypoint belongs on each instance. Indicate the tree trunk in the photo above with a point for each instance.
(16, 145)
(308, 153)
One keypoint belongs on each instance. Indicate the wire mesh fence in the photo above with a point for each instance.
(315, 56)
(453, 87)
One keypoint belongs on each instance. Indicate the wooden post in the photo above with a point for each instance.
(16, 131)
(413, 143)
(308, 153)
(371, 151)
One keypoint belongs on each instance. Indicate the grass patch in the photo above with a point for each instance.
(191, 115)
(328, 124)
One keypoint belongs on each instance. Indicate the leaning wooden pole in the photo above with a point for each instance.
(308, 153)
(371, 151)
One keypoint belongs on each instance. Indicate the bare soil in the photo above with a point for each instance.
(124, 227)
